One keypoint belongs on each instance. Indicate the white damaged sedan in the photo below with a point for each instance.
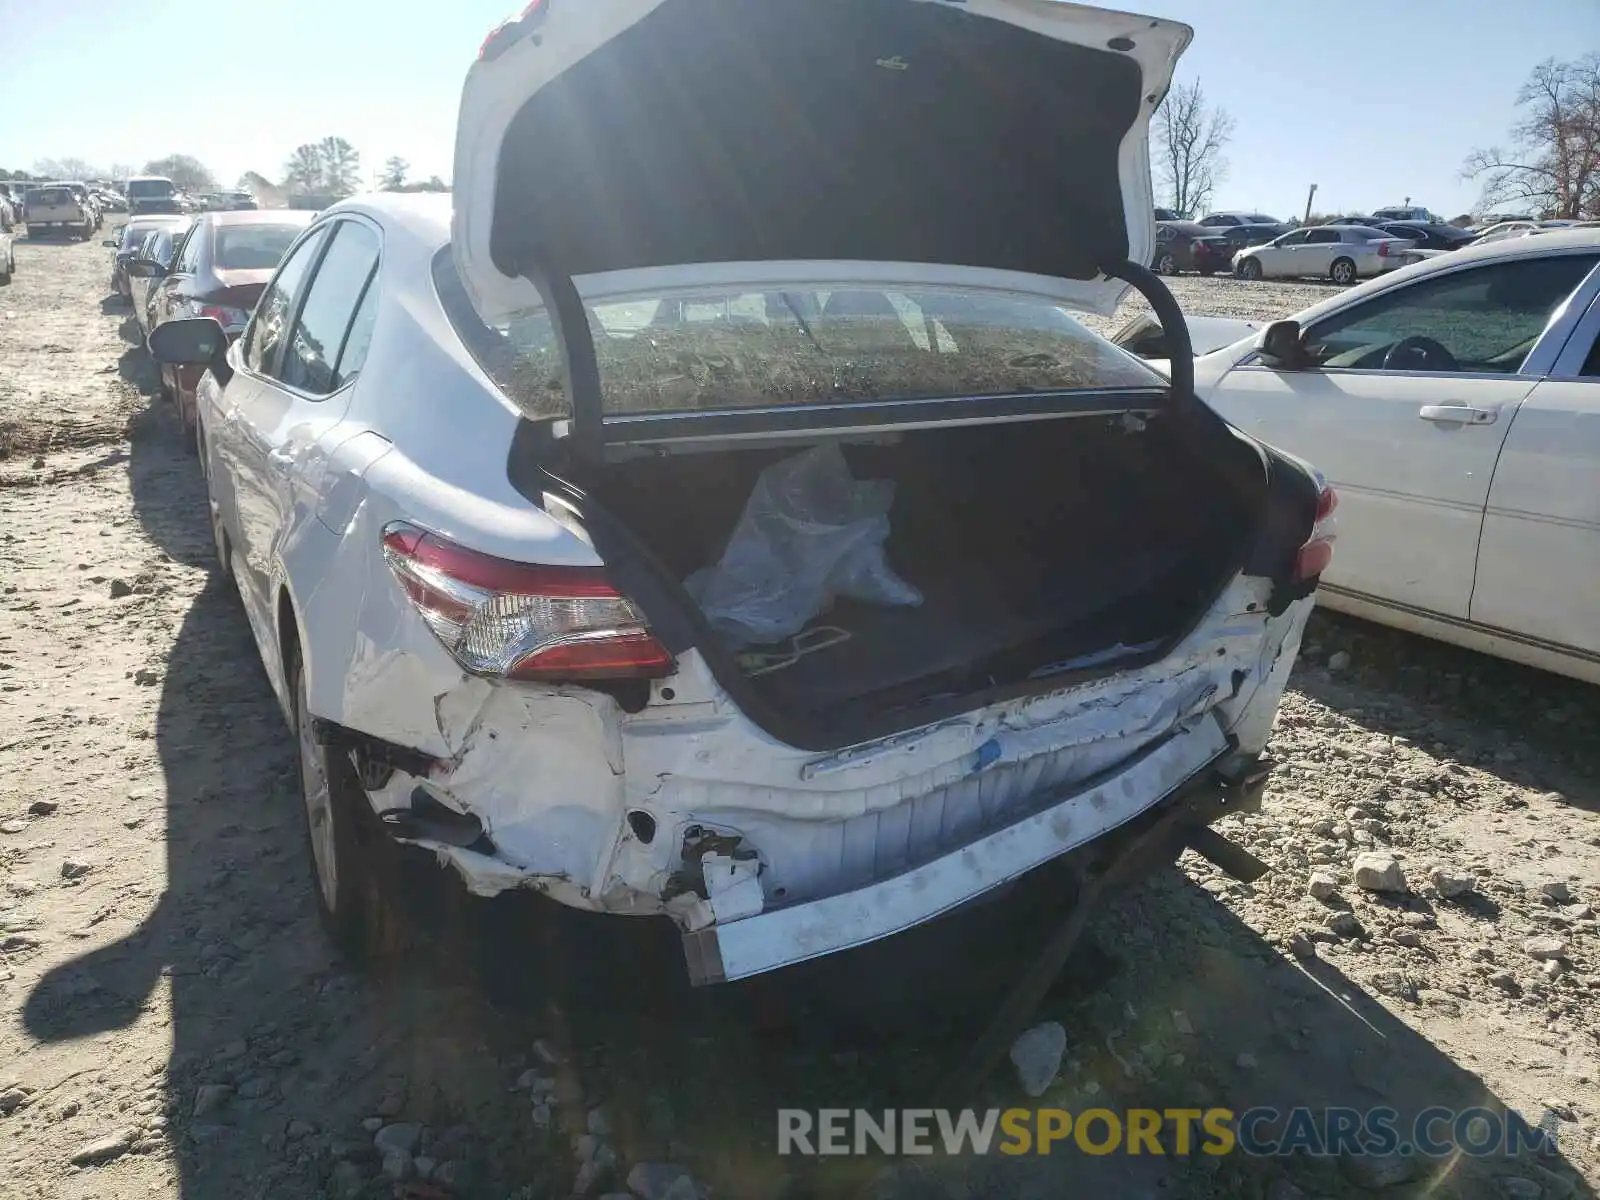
(719, 515)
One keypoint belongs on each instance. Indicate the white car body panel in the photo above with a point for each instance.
(553, 771)
(495, 91)
(852, 843)
(1486, 534)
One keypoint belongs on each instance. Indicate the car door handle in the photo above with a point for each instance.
(1458, 414)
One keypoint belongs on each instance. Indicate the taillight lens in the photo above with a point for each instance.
(523, 620)
(1383, 249)
(228, 318)
(1317, 553)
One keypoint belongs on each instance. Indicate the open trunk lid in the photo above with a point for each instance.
(1002, 135)
(981, 153)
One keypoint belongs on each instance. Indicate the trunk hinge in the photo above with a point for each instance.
(1165, 305)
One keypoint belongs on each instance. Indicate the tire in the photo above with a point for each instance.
(8, 268)
(165, 390)
(1250, 269)
(1343, 271)
(1166, 264)
(341, 844)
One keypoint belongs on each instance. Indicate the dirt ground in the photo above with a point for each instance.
(172, 1023)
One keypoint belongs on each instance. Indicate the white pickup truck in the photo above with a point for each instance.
(59, 206)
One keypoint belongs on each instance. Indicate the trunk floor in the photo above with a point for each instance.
(960, 623)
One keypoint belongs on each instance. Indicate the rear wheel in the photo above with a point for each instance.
(341, 843)
(1167, 264)
(8, 266)
(1250, 268)
(1342, 271)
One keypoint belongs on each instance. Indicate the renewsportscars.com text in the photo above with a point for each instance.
(1258, 1132)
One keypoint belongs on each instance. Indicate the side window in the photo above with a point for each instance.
(271, 322)
(1292, 239)
(1486, 319)
(1322, 236)
(356, 341)
(311, 357)
(189, 253)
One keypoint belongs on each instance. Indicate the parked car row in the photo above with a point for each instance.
(481, 520)
(213, 265)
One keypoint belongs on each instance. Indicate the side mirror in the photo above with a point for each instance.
(1280, 346)
(146, 268)
(191, 342)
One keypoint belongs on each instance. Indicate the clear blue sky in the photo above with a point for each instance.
(1373, 100)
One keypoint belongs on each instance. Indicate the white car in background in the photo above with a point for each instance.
(1342, 253)
(515, 496)
(1145, 337)
(1455, 406)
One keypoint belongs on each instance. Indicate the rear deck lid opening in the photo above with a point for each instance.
(1006, 136)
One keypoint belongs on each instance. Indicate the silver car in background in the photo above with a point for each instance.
(1342, 253)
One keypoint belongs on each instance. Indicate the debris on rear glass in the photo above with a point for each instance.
(809, 534)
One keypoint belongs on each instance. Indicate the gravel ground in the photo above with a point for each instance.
(171, 1023)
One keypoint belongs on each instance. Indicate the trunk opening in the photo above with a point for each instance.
(1044, 550)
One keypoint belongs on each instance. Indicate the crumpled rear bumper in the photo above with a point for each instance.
(783, 936)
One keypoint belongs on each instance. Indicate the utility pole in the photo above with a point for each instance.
(1306, 220)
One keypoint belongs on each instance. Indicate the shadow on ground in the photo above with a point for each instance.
(257, 1004)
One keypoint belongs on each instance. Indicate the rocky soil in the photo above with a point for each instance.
(172, 1024)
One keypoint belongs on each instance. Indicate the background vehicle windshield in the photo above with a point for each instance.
(253, 247)
(693, 350)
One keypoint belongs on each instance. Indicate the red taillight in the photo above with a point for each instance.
(228, 318)
(1317, 553)
(523, 620)
(1383, 249)
(1327, 501)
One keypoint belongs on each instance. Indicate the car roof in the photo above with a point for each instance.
(425, 215)
(259, 216)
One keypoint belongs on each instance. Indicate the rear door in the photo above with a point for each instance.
(240, 483)
(1539, 561)
(1410, 436)
(1317, 255)
(1280, 257)
(303, 394)
(171, 293)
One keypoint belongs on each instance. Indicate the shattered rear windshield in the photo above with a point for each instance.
(692, 350)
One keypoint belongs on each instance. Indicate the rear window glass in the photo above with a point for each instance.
(694, 350)
(50, 196)
(149, 187)
(253, 247)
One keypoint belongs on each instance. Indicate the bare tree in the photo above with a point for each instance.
(122, 172)
(188, 173)
(341, 166)
(65, 169)
(394, 174)
(1190, 136)
(303, 172)
(1553, 162)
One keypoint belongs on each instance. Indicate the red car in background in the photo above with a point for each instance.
(219, 271)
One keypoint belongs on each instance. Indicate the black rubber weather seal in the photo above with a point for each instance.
(1181, 349)
(580, 369)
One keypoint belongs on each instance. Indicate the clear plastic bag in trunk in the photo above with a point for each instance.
(809, 534)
